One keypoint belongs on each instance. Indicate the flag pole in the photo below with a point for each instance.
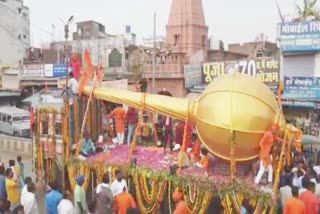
(79, 145)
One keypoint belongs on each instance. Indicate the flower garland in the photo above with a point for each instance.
(150, 187)
(198, 199)
(75, 170)
(149, 200)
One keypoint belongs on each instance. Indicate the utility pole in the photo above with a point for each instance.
(154, 54)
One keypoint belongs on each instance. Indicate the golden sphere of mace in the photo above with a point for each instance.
(233, 105)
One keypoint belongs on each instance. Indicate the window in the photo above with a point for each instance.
(58, 128)
(176, 39)
(203, 41)
(25, 14)
(3, 117)
(19, 10)
(24, 36)
(44, 128)
(9, 119)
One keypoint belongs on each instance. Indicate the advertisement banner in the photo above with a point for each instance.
(60, 70)
(192, 75)
(305, 88)
(48, 70)
(118, 84)
(300, 36)
(267, 70)
(33, 71)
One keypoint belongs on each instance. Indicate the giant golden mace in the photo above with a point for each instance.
(233, 105)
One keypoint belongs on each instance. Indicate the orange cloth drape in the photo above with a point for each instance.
(87, 73)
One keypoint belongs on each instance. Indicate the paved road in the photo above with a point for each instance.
(27, 160)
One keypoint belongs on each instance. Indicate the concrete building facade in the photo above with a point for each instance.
(14, 31)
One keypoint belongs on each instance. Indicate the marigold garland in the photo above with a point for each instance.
(75, 170)
(151, 186)
(149, 200)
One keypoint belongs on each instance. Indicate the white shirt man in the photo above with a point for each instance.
(285, 195)
(66, 207)
(307, 122)
(29, 201)
(73, 85)
(117, 187)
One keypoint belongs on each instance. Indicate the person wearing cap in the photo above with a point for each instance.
(88, 147)
(80, 196)
(181, 204)
(124, 201)
(178, 153)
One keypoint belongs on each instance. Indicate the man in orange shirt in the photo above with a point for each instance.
(181, 205)
(195, 152)
(309, 199)
(124, 201)
(119, 115)
(294, 205)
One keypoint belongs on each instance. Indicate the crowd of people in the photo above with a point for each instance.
(300, 188)
(17, 192)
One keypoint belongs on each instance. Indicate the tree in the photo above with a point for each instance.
(308, 10)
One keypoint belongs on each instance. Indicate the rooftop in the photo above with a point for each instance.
(13, 110)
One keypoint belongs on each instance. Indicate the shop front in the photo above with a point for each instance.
(301, 103)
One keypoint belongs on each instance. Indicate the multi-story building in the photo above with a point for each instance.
(14, 31)
(104, 47)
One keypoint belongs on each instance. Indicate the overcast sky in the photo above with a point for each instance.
(228, 20)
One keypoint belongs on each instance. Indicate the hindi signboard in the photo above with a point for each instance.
(192, 75)
(267, 70)
(300, 36)
(304, 88)
(60, 70)
(33, 71)
(118, 84)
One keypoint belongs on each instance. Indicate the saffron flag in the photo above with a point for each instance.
(87, 73)
(100, 73)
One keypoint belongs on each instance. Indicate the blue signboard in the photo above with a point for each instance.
(300, 36)
(60, 70)
(192, 75)
(302, 88)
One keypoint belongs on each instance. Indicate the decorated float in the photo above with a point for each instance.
(231, 117)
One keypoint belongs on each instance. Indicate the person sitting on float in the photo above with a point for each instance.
(88, 147)
(205, 161)
(178, 154)
(196, 148)
(146, 129)
(266, 144)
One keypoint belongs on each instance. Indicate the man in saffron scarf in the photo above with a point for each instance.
(119, 115)
(266, 144)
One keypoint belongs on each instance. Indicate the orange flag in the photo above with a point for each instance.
(100, 73)
(88, 72)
